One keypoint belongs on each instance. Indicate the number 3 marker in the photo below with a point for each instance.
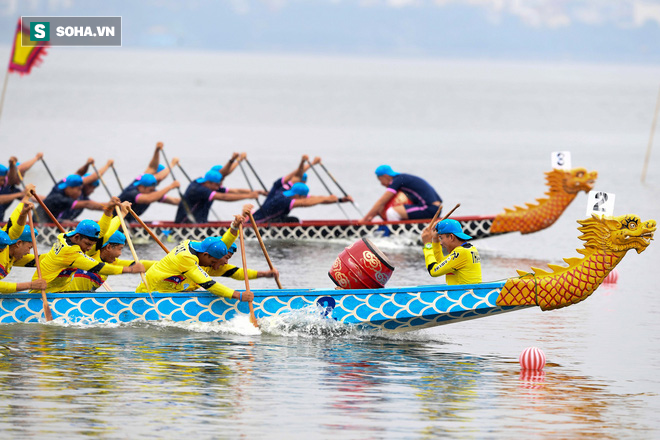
(561, 160)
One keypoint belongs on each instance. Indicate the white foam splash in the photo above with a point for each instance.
(239, 325)
(307, 322)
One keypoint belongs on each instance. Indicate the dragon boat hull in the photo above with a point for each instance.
(564, 185)
(607, 240)
(393, 309)
(477, 227)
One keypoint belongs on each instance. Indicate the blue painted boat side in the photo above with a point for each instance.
(395, 309)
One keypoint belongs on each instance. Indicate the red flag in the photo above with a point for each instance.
(24, 57)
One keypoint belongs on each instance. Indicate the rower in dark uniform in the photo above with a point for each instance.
(276, 209)
(424, 200)
(285, 183)
(143, 193)
(201, 193)
(9, 190)
(64, 197)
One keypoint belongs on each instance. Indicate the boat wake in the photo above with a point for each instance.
(307, 322)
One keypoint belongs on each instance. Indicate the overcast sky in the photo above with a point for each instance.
(616, 31)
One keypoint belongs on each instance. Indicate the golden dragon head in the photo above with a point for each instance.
(617, 234)
(571, 181)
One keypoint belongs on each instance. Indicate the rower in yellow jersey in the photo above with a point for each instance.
(112, 244)
(230, 271)
(460, 261)
(15, 245)
(183, 268)
(70, 253)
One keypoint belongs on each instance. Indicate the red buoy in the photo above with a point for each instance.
(612, 277)
(532, 358)
(361, 266)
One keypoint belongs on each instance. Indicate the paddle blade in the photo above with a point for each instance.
(253, 318)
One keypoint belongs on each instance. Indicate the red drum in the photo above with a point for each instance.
(361, 266)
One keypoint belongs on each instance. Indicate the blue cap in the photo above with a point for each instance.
(450, 226)
(385, 170)
(217, 169)
(95, 182)
(4, 239)
(298, 189)
(71, 181)
(117, 238)
(3, 170)
(160, 167)
(232, 249)
(88, 228)
(146, 180)
(26, 235)
(214, 246)
(211, 176)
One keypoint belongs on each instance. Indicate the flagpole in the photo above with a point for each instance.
(650, 146)
(4, 90)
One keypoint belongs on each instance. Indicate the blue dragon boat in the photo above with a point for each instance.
(607, 240)
(395, 309)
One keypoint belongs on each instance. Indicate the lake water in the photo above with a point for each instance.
(480, 132)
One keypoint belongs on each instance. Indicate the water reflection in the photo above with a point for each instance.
(86, 378)
(140, 379)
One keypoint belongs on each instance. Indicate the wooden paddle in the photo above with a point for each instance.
(45, 208)
(59, 226)
(121, 187)
(435, 217)
(102, 181)
(44, 298)
(148, 229)
(255, 174)
(340, 188)
(241, 236)
(20, 177)
(240, 164)
(135, 257)
(48, 169)
(327, 189)
(263, 249)
(189, 213)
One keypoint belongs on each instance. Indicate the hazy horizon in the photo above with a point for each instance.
(624, 31)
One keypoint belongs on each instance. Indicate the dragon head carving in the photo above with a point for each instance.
(571, 181)
(617, 234)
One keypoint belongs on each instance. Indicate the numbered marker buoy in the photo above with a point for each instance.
(561, 160)
(600, 203)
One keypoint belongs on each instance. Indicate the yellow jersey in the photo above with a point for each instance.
(61, 262)
(6, 263)
(461, 266)
(228, 270)
(11, 227)
(88, 281)
(14, 230)
(179, 271)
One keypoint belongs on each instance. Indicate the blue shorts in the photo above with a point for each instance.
(416, 212)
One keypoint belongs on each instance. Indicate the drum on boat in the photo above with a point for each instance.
(361, 266)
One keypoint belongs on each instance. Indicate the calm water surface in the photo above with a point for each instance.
(482, 133)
